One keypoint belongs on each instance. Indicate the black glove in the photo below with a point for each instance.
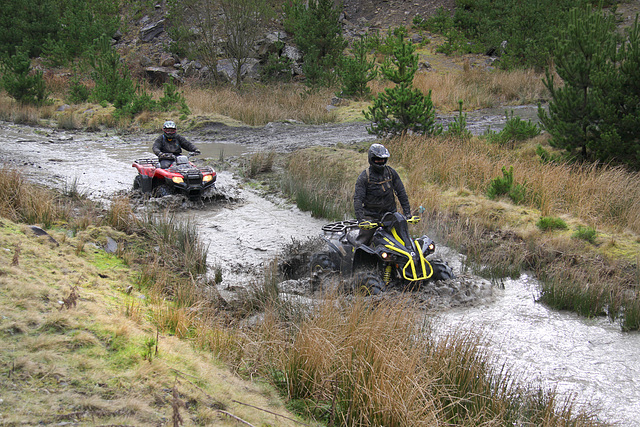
(196, 151)
(166, 156)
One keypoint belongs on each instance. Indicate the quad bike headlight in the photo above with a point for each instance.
(177, 180)
(207, 178)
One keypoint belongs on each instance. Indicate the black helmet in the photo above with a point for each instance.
(378, 156)
(169, 129)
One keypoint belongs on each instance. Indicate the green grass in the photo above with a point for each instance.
(547, 223)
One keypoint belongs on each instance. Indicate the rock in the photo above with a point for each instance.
(227, 69)
(167, 60)
(292, 52)
(152, 31)
(40, 232)
(161, 75)
(111, 247)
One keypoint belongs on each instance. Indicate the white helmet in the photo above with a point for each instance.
(169, 129)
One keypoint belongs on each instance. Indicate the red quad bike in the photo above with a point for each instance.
(182, 177)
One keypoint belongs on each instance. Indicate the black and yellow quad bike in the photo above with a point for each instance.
(392, 260)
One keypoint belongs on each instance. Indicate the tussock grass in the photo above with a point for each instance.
(180, 246)
(21, 201)
(356, 362)
(104, 345)
(325, 188)
(258, 104)
(607, 196)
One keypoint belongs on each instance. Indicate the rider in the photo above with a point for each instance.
(169, 145)
(375, 190)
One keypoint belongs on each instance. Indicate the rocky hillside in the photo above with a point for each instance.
(145, 40)
(383, 14)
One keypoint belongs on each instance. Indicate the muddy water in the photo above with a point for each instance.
(589, 358)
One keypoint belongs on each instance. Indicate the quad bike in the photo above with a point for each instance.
(182, 177)
(392, 260)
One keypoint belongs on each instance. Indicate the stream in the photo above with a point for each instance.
(589, 359)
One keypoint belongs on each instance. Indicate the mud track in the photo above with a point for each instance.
(244, 228)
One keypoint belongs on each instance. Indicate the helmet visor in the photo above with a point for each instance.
(170, 131)
(379, 160)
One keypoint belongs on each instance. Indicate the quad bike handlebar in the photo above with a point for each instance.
(369, 225)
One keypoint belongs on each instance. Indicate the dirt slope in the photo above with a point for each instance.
(391, 13)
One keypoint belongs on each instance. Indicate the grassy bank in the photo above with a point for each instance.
(259, 104)
(137, 338)
(100, 339)
(450, 179)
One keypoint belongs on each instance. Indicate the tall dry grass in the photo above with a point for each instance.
(601, 196)
(365, 363)
(476, 88)
(25, 202)
(258, 105)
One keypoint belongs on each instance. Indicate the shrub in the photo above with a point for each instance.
(458, 128)
(78, 93)
(547, 223)
(317, 32)
(356, 72)
(504, 185)
(585, 233)
(172, 99)
(440, 22)
(515, 130)
(277, 67)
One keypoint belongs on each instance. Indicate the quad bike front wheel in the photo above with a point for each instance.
(137, 183)
(321, 269)
(161, 191)
(367, 283)
(441, 270)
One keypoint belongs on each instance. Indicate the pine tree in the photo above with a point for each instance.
(401, 108)
(618, 103)
(20, 82)
(357, 72)
(318, 33)
(585, 56)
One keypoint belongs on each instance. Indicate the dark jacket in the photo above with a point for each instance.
(161, 145)
(374, 195)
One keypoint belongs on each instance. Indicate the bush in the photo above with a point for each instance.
(547, 223)
(356, 72)
(317, 32)
(515, 130)
(172, 99)
(458, 128)
(78, 93)
(277, 67)
(504, 185)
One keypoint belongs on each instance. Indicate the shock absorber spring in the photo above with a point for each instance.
(387, 274)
